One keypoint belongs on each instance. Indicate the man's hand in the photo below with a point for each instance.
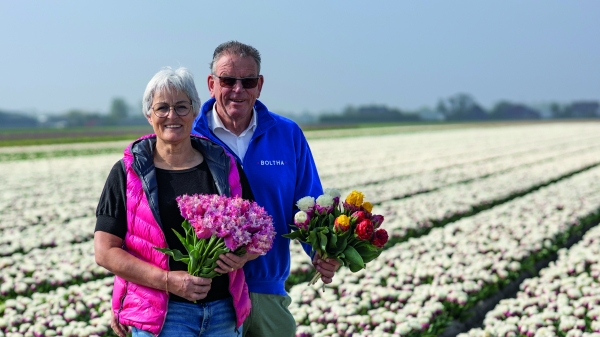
(326, 267)
(192, 288)
(230, 262)
(120, 329)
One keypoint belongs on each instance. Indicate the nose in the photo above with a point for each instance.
(238, 86)
(171, 109)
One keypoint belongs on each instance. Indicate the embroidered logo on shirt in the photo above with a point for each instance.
(271, 162)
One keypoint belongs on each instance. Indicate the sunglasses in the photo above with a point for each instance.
(229, 82)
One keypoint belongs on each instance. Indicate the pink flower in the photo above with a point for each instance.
(233, 219)
(358, 216)
(364, 230)
(262, 241)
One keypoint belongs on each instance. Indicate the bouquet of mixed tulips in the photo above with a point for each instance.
(216, 225)
(347, 231)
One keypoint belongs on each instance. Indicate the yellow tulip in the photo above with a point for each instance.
(355, 198)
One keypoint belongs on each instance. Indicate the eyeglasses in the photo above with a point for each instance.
(229, 82)
(161, 110)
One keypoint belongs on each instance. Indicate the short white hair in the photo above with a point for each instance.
(167, 79)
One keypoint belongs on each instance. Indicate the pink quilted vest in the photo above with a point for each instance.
(146, 308)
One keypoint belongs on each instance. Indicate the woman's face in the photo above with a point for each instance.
(171, 129)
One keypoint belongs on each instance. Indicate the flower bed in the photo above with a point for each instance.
(79, 310)
(563, 301)
(414, 288)
(416, 216)
(425, 283)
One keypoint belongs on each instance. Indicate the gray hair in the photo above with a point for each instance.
(235, 48)
(167, 79)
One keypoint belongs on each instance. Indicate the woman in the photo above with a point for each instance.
(153, 294)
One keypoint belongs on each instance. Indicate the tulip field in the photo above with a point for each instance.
(493, 232)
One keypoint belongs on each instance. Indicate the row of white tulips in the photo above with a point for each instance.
(422, 211)
(415, 215)
(563, 301)
(50, 234)
(456, 166)
(43, 269)
(415, 286)
(429, 180)
(434, 150)
(57, 189)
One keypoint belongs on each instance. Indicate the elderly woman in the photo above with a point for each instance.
(153, 294)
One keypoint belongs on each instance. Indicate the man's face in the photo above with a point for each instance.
(234, 104)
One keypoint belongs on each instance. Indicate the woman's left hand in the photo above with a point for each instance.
(229, 262)
(119, 329)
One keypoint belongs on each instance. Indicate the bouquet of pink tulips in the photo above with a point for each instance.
(346, 231)
(215, 225)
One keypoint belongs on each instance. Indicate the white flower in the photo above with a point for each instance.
(300, 217)
(333, 192)
(306, 204)
(325, 200)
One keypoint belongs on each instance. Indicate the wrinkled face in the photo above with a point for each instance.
(235, 103)
(173, 128)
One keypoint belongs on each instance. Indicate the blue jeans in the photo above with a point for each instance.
(212, 319)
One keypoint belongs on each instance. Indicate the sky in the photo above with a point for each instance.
(317, 56)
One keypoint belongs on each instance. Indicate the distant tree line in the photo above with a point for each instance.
(120, 113)
(458, 108)
(463, 107)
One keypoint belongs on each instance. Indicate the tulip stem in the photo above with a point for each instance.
(315, 278)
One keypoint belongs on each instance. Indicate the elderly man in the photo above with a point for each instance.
(280, 168)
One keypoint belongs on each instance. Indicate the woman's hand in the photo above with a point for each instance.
(229, 262)
(109, 254)
(192, 288)
(119, 329)
(326, 267)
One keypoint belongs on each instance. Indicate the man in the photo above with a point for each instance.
(279, 165)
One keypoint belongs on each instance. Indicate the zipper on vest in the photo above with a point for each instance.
(122, 301)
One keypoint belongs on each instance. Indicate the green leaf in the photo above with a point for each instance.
(175, 253)
(190, 235)
(211, 274)
(365, 248)
(332, 243)
(312, 224)
(312, 239)
(207, 270)
(354, 268)
(370, 257)
(323, 242)
(188, 246)
(294, 235)
(353, 256)
(193, 264)
(213, 259)
(342, 242)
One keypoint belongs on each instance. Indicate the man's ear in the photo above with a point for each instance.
(210, 81)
